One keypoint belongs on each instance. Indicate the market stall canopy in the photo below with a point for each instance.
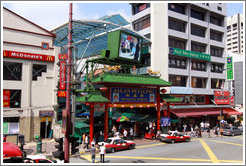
(231, 111)
(121, 78)
(91, 36)
(171, 99)
(196, 112)
(198, 106)
(92, 97)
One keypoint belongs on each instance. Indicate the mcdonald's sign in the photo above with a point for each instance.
(6, 98)
(62, 75)
(62, 56)
(25, 55)
(62, 93)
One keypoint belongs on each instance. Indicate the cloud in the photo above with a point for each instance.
(122, 12)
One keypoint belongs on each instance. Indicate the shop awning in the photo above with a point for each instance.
(231, 111)
(196, 112)
(171, 99)
(210, 106)
(96, 113)
(148, 118)
(121, 78)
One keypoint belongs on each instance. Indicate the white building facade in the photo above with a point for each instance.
(30, 74)
(199, 29)
(235, 33)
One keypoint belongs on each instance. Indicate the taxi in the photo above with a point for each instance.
(174, 136)
(115, 143)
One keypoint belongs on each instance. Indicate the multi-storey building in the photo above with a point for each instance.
(235, 33)
(29, 78)
(188, 46)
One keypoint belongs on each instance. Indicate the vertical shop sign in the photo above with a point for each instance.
(6, 98)
(229, 68)
(62, 75)
(64, 121)
(221, 97)
(165, 121)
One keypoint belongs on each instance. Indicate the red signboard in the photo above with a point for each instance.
(31, 56)
(62, 56)
(62, 75)
(62, 93)
(142, 7)
(222, 97)
(232, 100)
(6, 98)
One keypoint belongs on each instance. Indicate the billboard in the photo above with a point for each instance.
(130, 47)
(124, 46)
(222, 97)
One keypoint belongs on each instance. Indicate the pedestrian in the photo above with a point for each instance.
(216, 132)
(208, 132)
(202, 125)
(93, 153)
(102, 153)
(22, 141)
(200, 132)
(205, 126)
(192, 131)
(184, 130)
(93, 142)
(86, 141)
(125, 134)
(117, 134)
(83, 140)
(221, 132)
(196, 130)
(131, 133)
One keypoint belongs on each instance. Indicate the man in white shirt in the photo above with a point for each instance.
(125, 134)
(131, 133)
(102, 153)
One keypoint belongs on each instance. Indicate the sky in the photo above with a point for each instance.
(50, 15)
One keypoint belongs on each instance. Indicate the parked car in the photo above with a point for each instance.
(12, 153)
(114, 143)
(232, 130)
(39, 158)
(174, 136)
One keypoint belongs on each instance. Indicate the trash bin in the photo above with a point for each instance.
(39, 147)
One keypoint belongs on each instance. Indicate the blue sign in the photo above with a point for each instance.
(165, 121)
(133, 95)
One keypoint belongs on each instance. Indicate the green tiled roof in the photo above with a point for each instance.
(170, 99)
(92, 97)
(121, 78)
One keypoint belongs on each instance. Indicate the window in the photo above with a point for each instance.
(176, 25)
(14, 98)
(177, 63)
(197, 65)
(176, 8)
(145, 23)
(12, 71)
(198, 82)
(216, 51)
(217, 68)
(176, 43)
(178, 80)
(140, 7)
(228, 35)
(216, 83)
(198, 15)
(37, 71)
(216, 21)
(199, 99)
(116, 142)
(45, 46)
(234, 26)
(219, 8)
(197, 31)
(215, 36)
(197, 47)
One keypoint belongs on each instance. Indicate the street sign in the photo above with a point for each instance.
(165, 121)
(47, 121)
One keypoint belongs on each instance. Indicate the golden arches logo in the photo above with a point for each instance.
(62, 94)
(4, 53)
(50, 58)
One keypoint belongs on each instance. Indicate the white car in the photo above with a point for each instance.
(39, 158)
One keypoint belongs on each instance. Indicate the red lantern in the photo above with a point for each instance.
(140, 106)
(155, 105)
(115, 105)
(161, 104)
(101, 105)
(163, 91)
(122, 106)
(148, 106)
(87, 103)
(109, 105)
(131, 106)
(103, 89)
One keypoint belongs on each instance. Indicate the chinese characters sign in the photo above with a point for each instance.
(31, 56)
(229, 68)
(62, 75)
(133, 95)
(189, 54)
(165, 121)
(222, 97)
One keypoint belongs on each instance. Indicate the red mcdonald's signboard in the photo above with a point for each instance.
(62, 75)
(6, 98)
(31, 56)
(62, 56)
(62, 93)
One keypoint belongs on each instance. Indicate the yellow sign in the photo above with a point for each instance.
(220, 117)
(44, 119)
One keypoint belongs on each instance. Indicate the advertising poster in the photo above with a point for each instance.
(130, 47)
(6, 98)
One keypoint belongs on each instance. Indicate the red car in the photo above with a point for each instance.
(12, 153)
(114, 143)
(174, 136)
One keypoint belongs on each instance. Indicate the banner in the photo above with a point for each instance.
(165, 121)
(229, 68)
(133, 95)
(62, 94)
(6, 98)
(222, 97)
(64, 121)
(25, 55)
(62, 75)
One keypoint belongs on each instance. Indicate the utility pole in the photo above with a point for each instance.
(68, 129)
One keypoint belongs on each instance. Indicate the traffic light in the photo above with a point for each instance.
(75, 144)
(60, 153)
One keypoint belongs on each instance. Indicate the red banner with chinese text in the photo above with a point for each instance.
(62, 75)
(6, 98)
